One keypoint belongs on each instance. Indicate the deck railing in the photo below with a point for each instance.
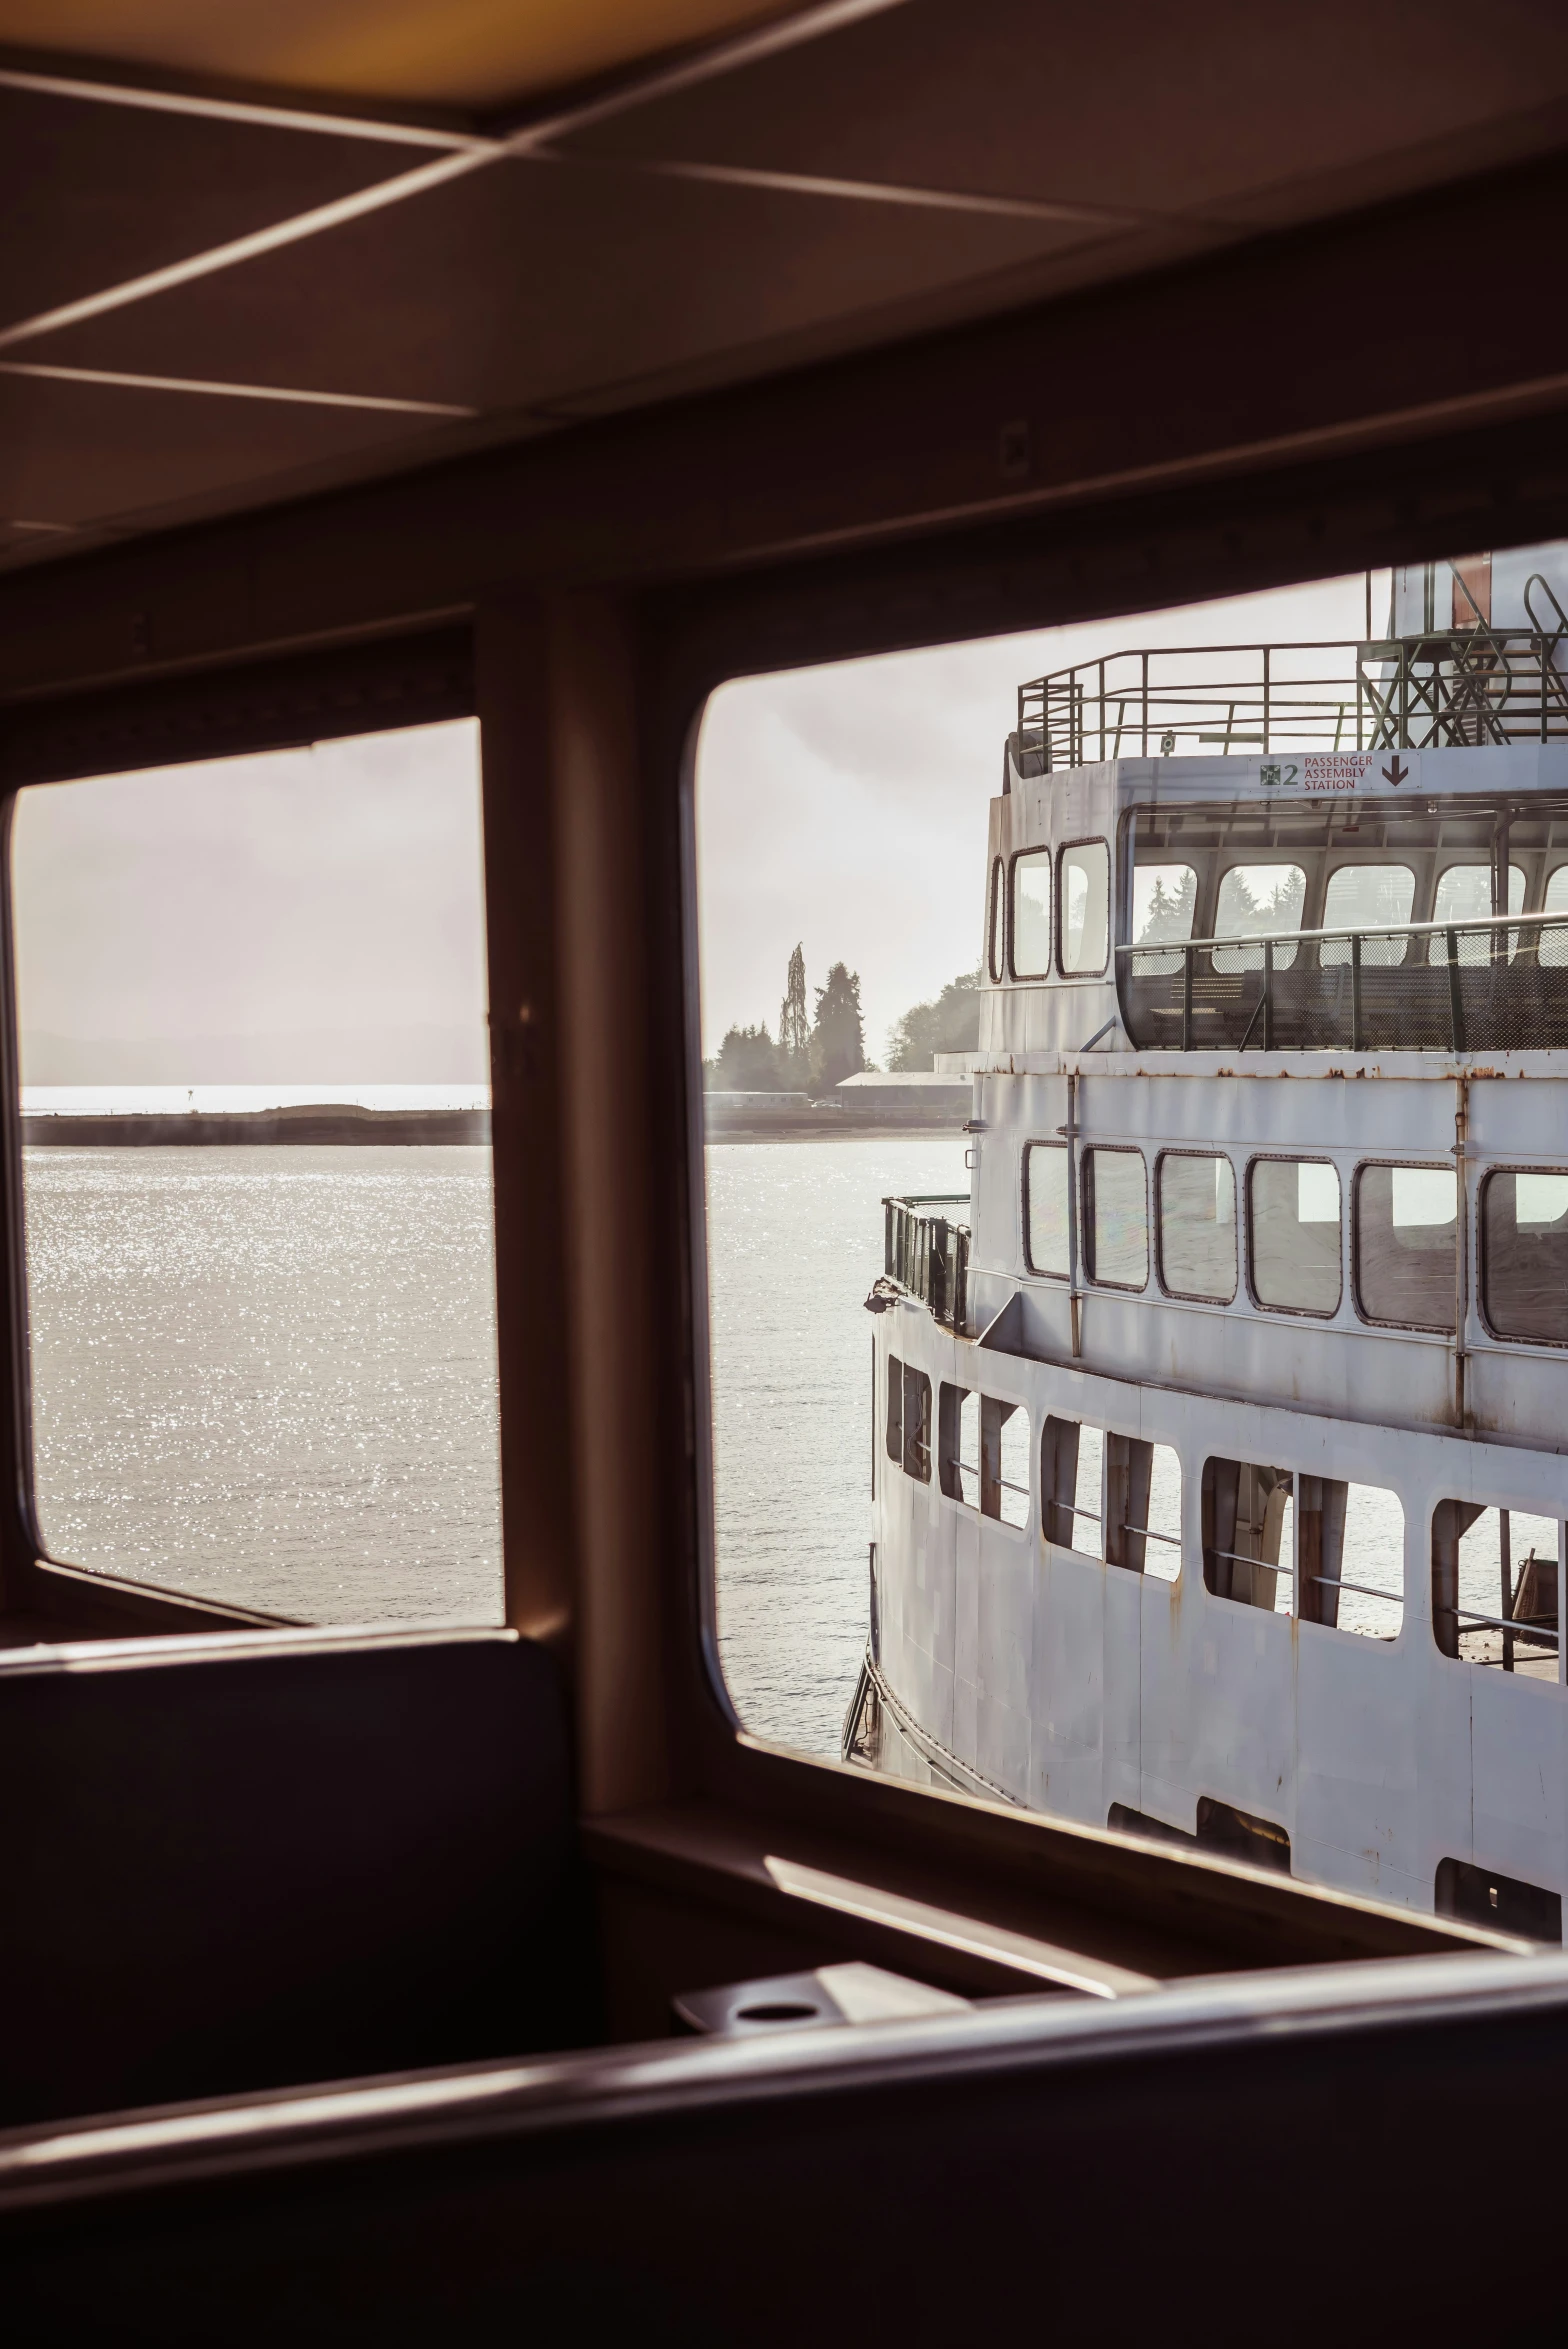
(1429, 692)
(927, 1254)
(1494, 985)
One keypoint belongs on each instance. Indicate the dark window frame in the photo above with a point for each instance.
(1428, 1329)
(1191, 1296)
(996, 924)
(1089, 840)
(1476, 1285)
(1013, 863)
(1086, 1219)
(1037, 1271)
(1293, 1158)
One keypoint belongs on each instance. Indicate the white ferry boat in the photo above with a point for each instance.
(1221, 1431)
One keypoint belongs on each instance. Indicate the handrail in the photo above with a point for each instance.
(1460, 684)
(1539, 579)
(1507, 921)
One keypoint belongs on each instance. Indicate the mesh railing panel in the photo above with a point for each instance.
(928, 1255)
(1494, 986)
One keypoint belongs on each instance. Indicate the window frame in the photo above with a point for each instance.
(1086, 1220)
(1036, 1271)
(1031, 978)
(1189, 1296)
(1426, 1329)
(1089, 840)
(1294, 1158)
(1475, 1238)
(996, 925)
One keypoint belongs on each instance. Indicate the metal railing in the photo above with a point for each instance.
(928, 1254)
(1451, 687)
(1493, 985)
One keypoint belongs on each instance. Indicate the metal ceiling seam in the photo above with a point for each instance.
(252, 246)
(118, 380)
(868, 191)
(151, 100)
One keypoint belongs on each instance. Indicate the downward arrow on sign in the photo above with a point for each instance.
(1394, 772)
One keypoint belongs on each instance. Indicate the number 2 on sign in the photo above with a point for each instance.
(1277, 771)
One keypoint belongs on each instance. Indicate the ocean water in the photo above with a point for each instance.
(268, 1376)
(794, 1244)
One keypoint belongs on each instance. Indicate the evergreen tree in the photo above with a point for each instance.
(838, 1038)
(950, 1024)
(794, 1028)
(747, 1062)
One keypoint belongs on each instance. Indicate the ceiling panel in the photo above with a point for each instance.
(453, 52)
(91, 194)
(527, 283)
(1132, 108)
(73, 454)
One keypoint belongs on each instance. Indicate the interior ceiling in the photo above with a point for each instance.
(211, 298)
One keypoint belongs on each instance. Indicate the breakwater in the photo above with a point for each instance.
(309, 1122)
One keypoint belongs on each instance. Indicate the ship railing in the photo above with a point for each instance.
(1438, 690)
(1492, 984)
(928, 1253)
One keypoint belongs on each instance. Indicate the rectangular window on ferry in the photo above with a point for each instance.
(256, 1174)
(1078, 1026)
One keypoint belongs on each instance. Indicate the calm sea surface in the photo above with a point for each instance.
(269, 1376)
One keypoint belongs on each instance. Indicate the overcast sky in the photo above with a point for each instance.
(307, 916)
(316, 916)
(846, 807)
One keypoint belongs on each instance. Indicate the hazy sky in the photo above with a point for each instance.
(306, 916)
(316, 916)
(846, 806)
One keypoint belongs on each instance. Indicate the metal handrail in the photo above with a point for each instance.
(1465, 683)
(1277, 938)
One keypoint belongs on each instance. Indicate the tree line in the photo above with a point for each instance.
(811, 1054)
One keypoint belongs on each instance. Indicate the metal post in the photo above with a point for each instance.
(1102, 711)
(1265, 699)
(1461, 1239)
(1456, 1009)
(1506, 1568)
(1186, 997)
(1355, 991)
(1268, 994)
(1071, 1132)
(1562, 1602)
(1145, 752)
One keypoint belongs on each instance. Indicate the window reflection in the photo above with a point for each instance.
(1116, 1218)
(1406, 1236)
(1198, 1226)
(1524, 1256)
(1294, 1234)
(1085, 906)
(1045, 1208)
(1361, 897)
(1258, 901)
(1464, 894)
(1032, 914)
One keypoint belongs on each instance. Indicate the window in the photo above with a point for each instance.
(1483, 1896)
(1464, 894)
(985, 1454)
(1328, 1551)
(1072, 1461)
(1247, 1533)
(1363, 897)
(1406, 1228)
(993, 923)
(1524, 1256)
(1084, 907)
(1258, 901)
(1116, 1218)
(264, 1368)
(909, 1418)
(1164, 903)
(1032, 914)
(1293, 1234)
(1046, 1232)
(1495, 1583)
(1197, 1222)
(1553, 949)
